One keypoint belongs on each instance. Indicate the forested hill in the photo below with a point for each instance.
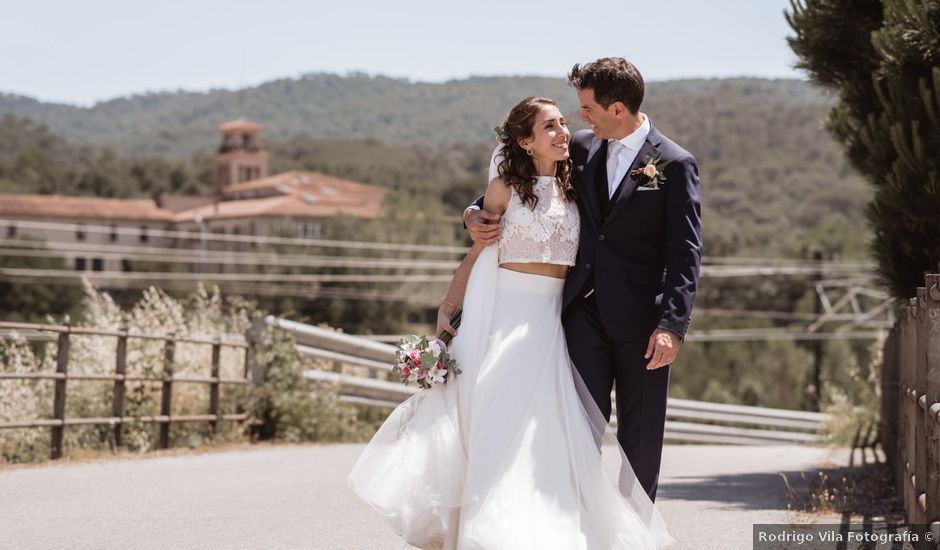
(393, 111)
(773, 180)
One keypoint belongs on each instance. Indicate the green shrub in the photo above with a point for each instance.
(855, 402)
(284, 406)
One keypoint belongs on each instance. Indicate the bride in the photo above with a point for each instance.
(506, 456)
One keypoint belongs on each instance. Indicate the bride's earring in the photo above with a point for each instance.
(528, 152)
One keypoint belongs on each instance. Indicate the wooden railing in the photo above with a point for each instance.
(910, 406)
(688, 421)
(59, 421)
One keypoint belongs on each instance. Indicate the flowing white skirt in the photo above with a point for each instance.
(506, 455)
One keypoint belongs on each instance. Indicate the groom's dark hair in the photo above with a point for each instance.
(612, 79)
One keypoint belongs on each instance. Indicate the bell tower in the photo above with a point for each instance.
(240, 157)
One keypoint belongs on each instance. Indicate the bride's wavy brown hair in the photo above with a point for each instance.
(517, 167)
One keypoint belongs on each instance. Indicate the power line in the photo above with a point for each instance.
(203, 236)
(263, 288)
(163, 276)
(750, 260)
(757, 271)
(249, 289)
(186, 256)
(762, 335)
(767, 265)
(744, 335)
(190, 256)
(754, 314)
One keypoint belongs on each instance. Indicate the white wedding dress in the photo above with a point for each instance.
(506, 455)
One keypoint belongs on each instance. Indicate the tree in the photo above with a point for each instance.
(26, 300)
(882, 59)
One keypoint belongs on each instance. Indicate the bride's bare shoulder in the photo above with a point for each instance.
(497, 196)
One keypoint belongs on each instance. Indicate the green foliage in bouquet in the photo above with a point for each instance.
(424, 361)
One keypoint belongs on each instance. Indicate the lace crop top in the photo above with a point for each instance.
(546, 234)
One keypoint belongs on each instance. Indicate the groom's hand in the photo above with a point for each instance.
(662, 348)
(483, 226)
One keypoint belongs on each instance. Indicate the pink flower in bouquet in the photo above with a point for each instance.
(406, 371)
(422, 375)
(415, 357)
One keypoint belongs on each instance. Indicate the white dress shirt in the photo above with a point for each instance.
(622, 152)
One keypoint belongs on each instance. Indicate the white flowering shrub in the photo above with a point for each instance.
(23, 400)
(282, 407)
(203, 315)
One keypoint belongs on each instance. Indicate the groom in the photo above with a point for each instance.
(628, 299)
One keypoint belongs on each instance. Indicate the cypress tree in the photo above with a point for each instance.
(882, 60)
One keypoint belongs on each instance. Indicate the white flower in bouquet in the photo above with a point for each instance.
(438, 373)
(409, 343)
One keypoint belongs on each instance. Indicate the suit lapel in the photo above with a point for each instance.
(649, 151)
(596, 154)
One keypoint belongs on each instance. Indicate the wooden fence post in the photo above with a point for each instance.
(252, 374)
(918, 482)
(57, 421)
(214, 387)
(888, 432)
(166, 400)
(58, 404)
(905, 404)
(932, 320)
(117, 401)
(253, 336)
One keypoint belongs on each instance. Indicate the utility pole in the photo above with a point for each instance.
(817, 345)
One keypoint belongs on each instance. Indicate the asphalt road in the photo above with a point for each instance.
(296, 497)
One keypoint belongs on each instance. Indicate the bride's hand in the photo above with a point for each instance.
(443, 321)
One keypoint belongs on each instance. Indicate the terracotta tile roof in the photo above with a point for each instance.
(294, 194)
(61, 206)
(240, 124)
(179, 203)
(295, 205)
(328, 188)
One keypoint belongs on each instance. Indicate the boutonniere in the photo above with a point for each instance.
(651, 175)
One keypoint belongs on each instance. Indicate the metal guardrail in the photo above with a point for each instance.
(687, 420)
(762, 427)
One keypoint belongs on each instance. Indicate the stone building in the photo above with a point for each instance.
(247, 203)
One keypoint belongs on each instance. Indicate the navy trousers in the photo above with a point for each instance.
(605, 363)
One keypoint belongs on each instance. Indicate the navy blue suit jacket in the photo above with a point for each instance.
(645, 251)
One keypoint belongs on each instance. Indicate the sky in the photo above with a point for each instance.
(84, 52)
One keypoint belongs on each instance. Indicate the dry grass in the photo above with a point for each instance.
(862, 493)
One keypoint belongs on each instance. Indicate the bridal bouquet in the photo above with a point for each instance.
(426, 361)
